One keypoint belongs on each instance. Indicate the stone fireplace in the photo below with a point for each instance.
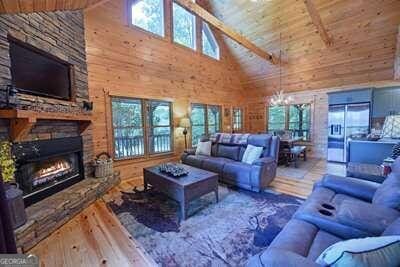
(48, 166)
(45, 111)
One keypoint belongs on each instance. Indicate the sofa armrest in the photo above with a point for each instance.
(367, 217)
(278, 257)
(264, 161)
(190, 151)
(357, 188)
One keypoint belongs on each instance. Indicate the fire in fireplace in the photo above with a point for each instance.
(47, 167)
(51, 170)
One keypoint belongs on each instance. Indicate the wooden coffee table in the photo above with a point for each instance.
(184, 189)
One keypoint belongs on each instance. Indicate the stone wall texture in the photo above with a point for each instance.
(60, 34)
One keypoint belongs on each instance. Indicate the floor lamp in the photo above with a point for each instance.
(185, 124)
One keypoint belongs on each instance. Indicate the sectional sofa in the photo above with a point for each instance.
(339, 208)
(226, 160)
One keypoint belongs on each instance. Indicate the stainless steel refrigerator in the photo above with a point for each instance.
(344, 122)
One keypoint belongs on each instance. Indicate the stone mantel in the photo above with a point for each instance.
(48, 215)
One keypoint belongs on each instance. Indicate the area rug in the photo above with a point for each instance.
(291, 172)
(227, 233)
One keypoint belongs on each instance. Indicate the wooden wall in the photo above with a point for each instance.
(124, 61)
(363, 32)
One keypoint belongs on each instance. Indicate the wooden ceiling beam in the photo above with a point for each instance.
(316, 20)
(218, 24)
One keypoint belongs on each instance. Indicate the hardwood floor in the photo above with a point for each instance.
(303, 187)
(93, 238)
(96, 238)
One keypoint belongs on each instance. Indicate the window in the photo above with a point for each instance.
(160, 126)
(184, 25)
(299, 120)
(206, 120)
(148, 15)
(237, 120)
(276, 118)
(128, 127)
(210, 45)
(295, 118)
(141, 127)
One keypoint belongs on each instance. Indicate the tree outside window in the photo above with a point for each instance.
(148, 15)
(295, 118)
(210, 45)
(141, 127)
(184, 25)
(206, 120)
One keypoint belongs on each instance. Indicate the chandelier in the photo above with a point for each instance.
(279, 98)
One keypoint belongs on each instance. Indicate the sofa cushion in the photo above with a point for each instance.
(195, 160)
(368, 252)
(204, 148)
(237, 172)
(297, 236)
(322, 241)
(229, 152)
(393, 229)
(388, 194)
(252, 153)
(263, 140)
(358, 215)
(215, 164)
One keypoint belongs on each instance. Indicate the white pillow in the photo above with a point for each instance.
(204, 148)
(363, 252)
(252, 154)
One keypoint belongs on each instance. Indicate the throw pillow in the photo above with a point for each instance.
(252, 154)
(203, 148)
(396, 151)
(363, 252)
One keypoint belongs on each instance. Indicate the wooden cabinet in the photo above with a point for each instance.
(386, 101)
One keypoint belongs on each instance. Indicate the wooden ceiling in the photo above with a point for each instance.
(28, 6)
(363, 45)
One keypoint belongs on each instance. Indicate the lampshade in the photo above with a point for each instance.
(391, 127)
(184, 123)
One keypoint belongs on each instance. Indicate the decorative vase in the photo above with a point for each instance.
(15, 204)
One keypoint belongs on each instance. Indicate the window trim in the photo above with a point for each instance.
(195, 37)
(129, 17)
(146, 129)
(206, 107)
(241, 119)
(287, 119)
(211, 34)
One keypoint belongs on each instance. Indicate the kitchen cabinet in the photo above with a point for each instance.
(350, 97)
(386, 101)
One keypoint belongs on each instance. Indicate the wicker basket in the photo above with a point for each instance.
(103, 165)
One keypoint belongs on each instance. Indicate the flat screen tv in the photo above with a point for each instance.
(36, 72)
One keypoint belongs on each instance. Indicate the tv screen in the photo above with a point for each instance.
(35, 72)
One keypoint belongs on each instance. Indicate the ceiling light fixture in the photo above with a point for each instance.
(279, 98)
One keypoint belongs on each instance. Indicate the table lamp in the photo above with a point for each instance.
(185, 124)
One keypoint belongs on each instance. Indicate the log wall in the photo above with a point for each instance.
(126, 61)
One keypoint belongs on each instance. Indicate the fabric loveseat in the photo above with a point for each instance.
(340, 208)
(226, 155)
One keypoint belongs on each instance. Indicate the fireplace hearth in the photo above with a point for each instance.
(48, 166)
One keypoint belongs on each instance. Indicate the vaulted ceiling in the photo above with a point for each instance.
(363, 32)
(364, 40)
